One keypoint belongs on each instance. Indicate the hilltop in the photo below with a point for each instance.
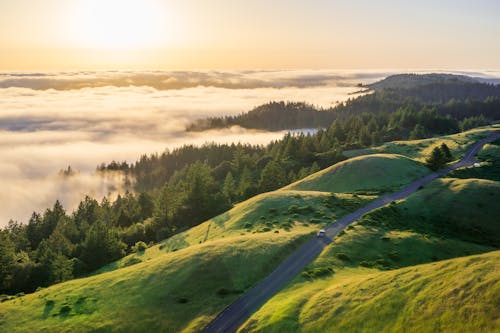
(410, 80)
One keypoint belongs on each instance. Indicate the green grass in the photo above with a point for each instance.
(421, 149)
(441, 221)
(489, 168)
(268, 212)
(458, 295)
(178, 291)
(365, 174)
(183, 282)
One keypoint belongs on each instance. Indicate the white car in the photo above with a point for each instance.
(321, 233)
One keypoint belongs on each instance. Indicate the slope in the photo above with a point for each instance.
(364, 174)
(180, 284)
(449, 218)
(457, 295)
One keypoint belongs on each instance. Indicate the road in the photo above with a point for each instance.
(239, 311)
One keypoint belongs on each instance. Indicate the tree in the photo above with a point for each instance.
(448, 157)
(7, 261)
(418, 132)
(101, 246)
(437, 160)
(229, 187)
(146, 205)
(272, 177)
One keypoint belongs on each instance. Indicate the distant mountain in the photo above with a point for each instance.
(408, 81)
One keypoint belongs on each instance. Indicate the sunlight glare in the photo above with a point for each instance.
(121, 24)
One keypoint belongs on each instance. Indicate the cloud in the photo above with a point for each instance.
(44, 130)
(173, 80)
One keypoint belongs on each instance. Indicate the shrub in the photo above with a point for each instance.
(394, 256)
(65, 309)
(131, 261)
(139, 247)
(366, 264)
(317, 272)
(343, 257)
(248, 225)
(224, 292)
(182, 300)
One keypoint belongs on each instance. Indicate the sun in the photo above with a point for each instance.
(120, 24)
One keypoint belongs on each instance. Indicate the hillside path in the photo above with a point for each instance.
(240, 310)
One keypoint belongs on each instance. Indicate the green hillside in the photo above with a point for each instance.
(447, 219)
(458, 295)
(420, 149)
(183, 282)
(370, 173)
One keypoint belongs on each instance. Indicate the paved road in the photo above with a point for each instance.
(238, 312)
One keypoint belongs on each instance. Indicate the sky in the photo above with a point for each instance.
(258, 34)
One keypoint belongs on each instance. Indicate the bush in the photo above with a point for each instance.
(366, 264)
(139, 247)
(248, 225)
(317, 272)
(65, 309)
(224, 292)
(131, 261)
(343, 257)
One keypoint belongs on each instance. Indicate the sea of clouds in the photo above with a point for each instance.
(49, 121)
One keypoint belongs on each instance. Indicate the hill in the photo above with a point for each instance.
(447, 219)
(419, 149)
(457, 295)
(364, 174)
(410, 80)
(183, 282)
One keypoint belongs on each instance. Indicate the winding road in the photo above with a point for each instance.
(239, 311)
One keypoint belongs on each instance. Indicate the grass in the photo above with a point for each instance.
(457, 295)
(489, 168)
(268, 212)
(178, 291)
(183, 282)
(419, 150)
(441, 221)
(371, 174)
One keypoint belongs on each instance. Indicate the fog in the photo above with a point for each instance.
(51, 120)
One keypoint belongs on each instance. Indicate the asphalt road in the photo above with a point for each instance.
(239, 311)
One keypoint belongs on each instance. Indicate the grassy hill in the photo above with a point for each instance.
(447, 219)
(457, 295)
(371, 173)
(183, 282)
(419, 149)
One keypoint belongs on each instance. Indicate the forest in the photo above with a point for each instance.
(175, 190)
(454, 97)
